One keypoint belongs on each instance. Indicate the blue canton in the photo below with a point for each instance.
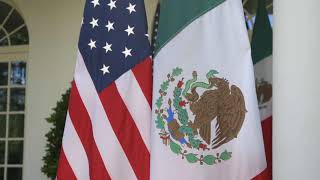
(113, 38)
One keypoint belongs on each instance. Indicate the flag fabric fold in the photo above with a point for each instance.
(262, 58)
(107, 131)
(206, 122)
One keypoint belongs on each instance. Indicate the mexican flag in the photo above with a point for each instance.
(262, 59)
(205, 109)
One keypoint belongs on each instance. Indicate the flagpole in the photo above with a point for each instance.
(296, 131)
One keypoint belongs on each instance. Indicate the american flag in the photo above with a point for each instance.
(107, 127)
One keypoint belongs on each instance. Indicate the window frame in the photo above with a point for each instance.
(8, 34)
(11, 54)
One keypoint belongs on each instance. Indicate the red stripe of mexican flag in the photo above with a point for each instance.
(262, 59)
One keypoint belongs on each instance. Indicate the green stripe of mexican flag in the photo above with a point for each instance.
(178, 14)
(205, 111)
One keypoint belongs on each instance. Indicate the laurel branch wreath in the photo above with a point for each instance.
(184, 128)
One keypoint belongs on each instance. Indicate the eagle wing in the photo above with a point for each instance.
(206, 111)
(230, 117)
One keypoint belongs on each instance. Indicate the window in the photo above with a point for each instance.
(12, 106)
(13, 65)
(13, 30)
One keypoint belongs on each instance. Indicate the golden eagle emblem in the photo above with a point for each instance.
(225, 104)
(214, 101)
(264, 92)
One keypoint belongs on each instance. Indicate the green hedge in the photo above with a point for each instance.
(54, 136)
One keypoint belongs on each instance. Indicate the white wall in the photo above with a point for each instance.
(53, 30)
(54, 27)
(296, 90)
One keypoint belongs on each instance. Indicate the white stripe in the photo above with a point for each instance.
(114, 158)
(219, 42)
(74, 151)
(137, 104)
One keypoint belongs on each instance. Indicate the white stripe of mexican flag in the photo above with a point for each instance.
(205, 111)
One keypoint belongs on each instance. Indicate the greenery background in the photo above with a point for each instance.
(54, 136)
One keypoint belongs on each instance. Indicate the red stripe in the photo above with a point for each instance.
(81, 122)
(126, 131)
(143, 74)
(264, 175)
(64, 171)
(267, 137)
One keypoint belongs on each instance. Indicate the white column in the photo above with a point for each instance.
(296, 124)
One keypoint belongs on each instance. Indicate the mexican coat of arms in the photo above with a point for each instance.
(185, 117)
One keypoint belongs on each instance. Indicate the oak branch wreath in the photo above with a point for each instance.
(219, 102)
